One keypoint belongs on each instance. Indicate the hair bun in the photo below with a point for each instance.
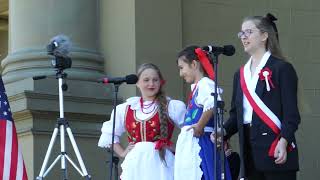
(271, 17)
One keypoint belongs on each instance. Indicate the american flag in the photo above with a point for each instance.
(11, 161)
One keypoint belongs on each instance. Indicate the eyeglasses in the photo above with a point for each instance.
(246, 33)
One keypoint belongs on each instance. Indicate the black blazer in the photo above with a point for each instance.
(282, 101)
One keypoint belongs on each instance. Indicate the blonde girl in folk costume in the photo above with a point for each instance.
(264, 108)
(149, 122)
(194, 149)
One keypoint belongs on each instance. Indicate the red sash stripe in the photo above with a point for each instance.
(262, 115)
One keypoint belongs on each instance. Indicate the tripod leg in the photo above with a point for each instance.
(63, 152)
(46, 159)
(77, 152)
(74, 165)
(51, 166)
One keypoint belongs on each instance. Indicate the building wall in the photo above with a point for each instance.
(118, 40)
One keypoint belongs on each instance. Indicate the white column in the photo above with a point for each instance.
(33, 23)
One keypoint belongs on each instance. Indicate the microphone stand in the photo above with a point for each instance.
(113, 159)
(130, 79)
(218, 119)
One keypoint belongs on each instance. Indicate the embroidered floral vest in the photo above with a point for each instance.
(146, 130)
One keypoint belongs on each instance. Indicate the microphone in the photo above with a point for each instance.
(129, 79)
(227, 50)
(59, 45)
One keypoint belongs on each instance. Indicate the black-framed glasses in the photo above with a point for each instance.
(246, 33)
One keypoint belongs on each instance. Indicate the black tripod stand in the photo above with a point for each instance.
(62, 125)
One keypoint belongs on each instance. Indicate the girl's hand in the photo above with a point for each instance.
(215, 139)
(280, 152)
(127, 150)
(197, 130)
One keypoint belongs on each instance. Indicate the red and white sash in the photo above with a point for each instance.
(264, 113)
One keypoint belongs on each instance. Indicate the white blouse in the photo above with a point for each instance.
(176, 112)
(206, 87)
(251, 84)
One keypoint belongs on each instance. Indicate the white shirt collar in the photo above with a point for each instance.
(199, 82)
(262, 63)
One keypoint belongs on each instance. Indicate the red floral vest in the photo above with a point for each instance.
(147, 130)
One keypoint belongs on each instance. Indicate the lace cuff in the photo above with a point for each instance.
(105, 140)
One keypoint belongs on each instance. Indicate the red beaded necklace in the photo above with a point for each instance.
(146, 106)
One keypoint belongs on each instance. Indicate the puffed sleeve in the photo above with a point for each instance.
(206, 88)
(177, 110)
(106, 136)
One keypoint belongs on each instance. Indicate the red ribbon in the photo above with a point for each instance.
(205, 62)
(162, 143)
(274, 145)
(261, 77)
(162, 82)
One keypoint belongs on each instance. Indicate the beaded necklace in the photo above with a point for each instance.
(146, 106)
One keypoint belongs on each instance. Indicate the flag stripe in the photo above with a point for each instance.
(7, 152)
(3, 127)
(25, 177)
(14, 153)
(19, 166)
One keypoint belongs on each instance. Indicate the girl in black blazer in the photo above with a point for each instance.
(264, 107)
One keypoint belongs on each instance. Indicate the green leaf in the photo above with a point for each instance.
(188, 119)
(194, 113)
